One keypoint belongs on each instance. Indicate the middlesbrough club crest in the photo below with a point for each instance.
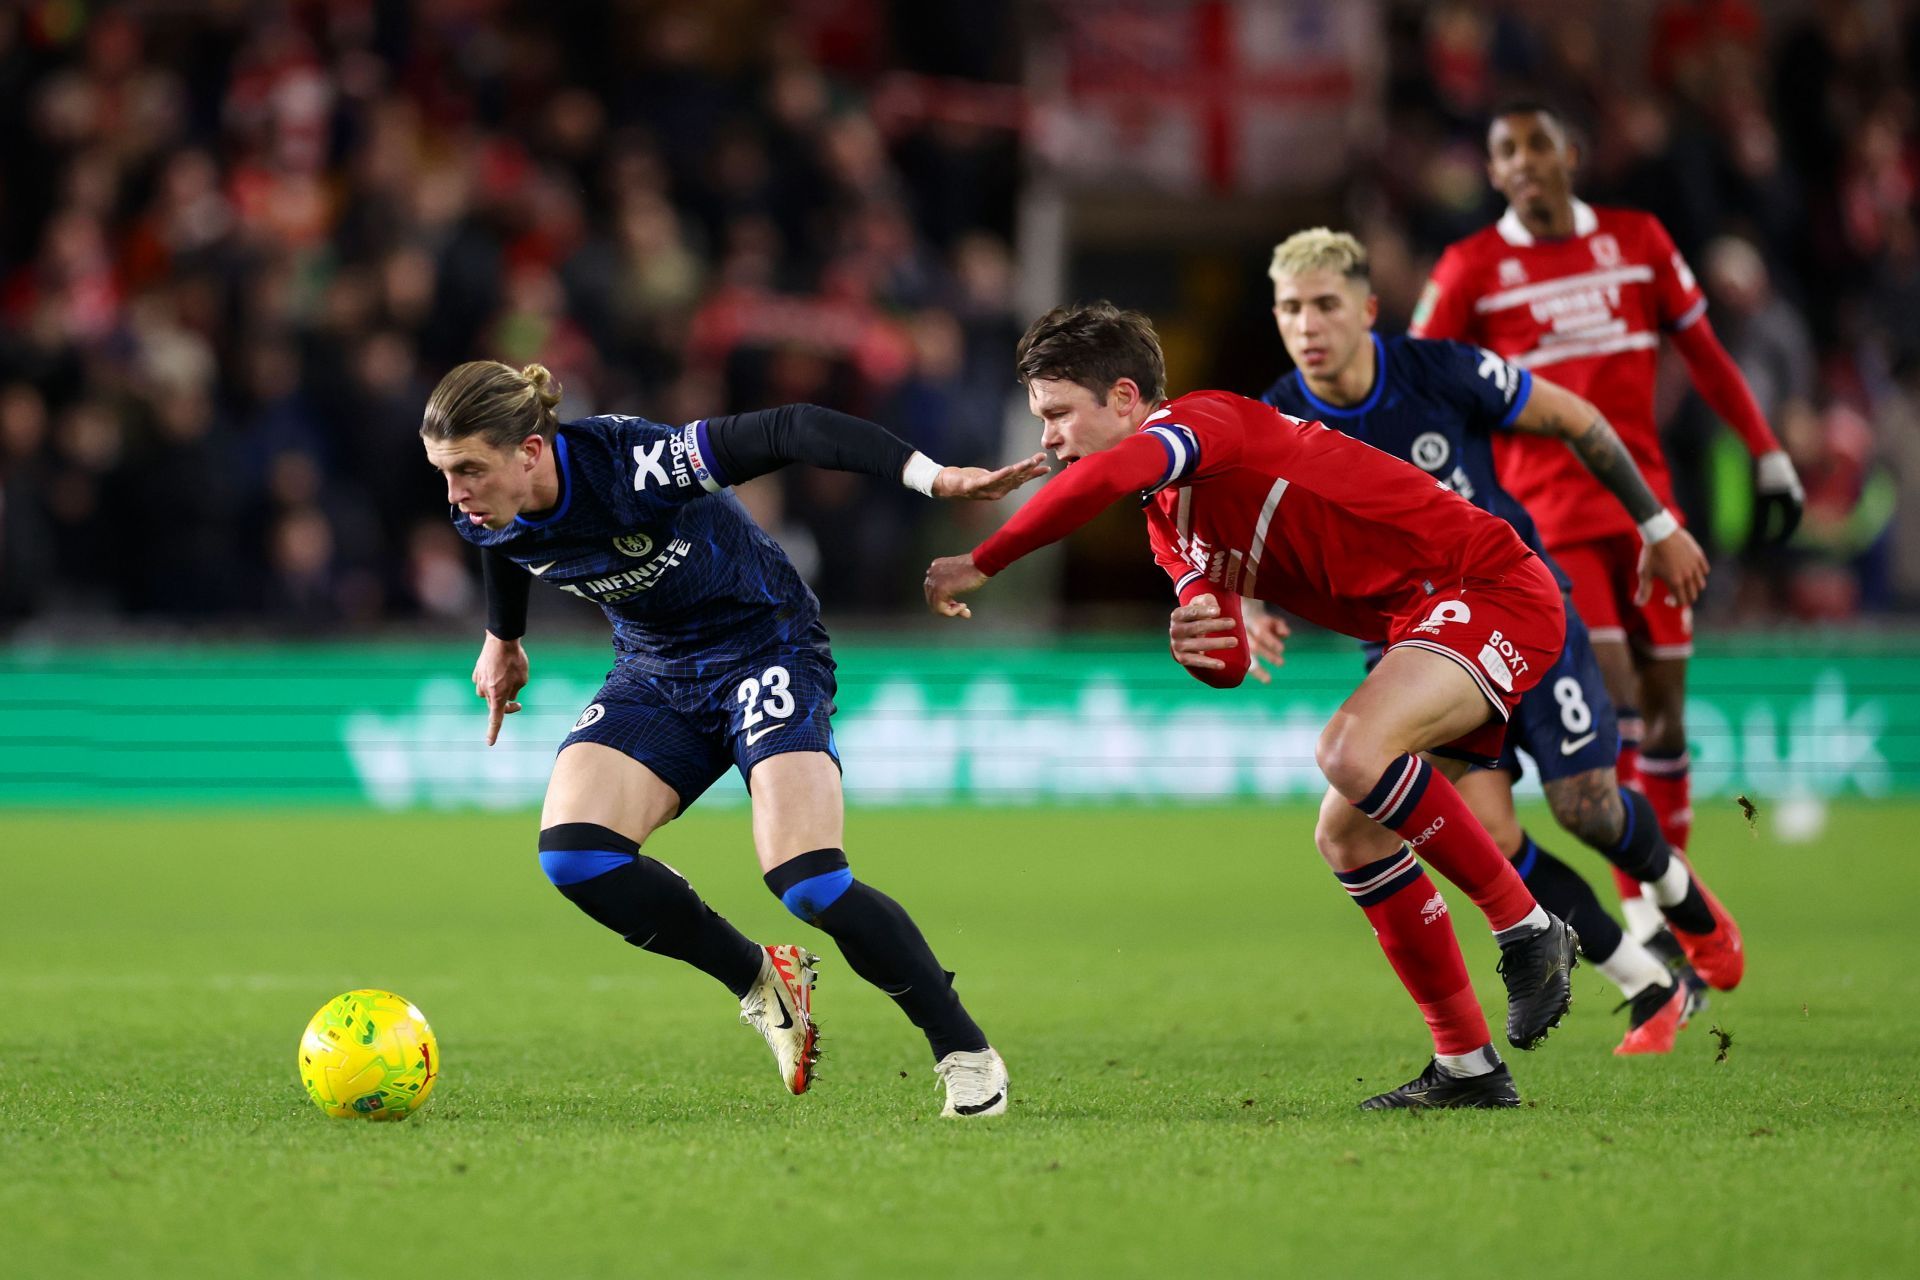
(1606, 250)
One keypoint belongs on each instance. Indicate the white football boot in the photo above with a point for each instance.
(976, 1081)
(779, 1006)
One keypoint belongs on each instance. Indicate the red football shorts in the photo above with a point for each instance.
(1605, 575)
(1506, 632)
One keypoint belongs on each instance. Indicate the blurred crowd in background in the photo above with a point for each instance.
(240, 242)
(1780, 145)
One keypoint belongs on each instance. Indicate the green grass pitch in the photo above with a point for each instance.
(1189, 1007)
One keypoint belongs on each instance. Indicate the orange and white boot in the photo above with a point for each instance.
(779, 1006)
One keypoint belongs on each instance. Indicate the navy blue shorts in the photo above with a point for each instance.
(1566, 722)
(689, 731)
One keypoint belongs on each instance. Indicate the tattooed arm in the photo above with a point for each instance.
(1670, 552)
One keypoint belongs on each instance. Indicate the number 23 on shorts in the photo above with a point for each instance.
(763, 698)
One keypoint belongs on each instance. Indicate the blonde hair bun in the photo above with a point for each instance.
(545, 385)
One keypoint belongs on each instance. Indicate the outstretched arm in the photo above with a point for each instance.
(1670, 552)
(1718, 380)
(744, 445)
(1072, 498)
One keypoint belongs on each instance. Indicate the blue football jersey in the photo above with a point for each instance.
(646, 529)
(1435, 404)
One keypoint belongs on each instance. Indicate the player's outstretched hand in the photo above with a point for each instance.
(1676, 560)
(982, 485)
(948, 578)
(1196, 630)
(499, 676)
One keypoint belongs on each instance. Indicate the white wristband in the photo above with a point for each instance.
(920, 473)
(1774, 473)
(1659, 527)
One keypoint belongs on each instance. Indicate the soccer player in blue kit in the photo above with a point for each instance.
(720, 660)
(1436, 404)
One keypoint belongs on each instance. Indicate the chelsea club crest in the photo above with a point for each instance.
(633, 544)
(1430, 450)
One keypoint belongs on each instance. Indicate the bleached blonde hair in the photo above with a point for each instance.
(1319, 249)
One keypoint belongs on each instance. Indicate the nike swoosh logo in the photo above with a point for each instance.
(786, 1019)
(758, 734)
(1571, 745)
(537, 569)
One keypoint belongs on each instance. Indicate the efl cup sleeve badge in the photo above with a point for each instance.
(633, 544)
(590, 716)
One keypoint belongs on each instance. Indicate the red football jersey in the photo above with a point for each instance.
(1259, 504)
(1586, 312)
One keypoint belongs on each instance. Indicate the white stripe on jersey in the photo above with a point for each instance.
(1565, 284)
(1590, 347)
(1260, 535)
(1691, 314)
(1232, 580)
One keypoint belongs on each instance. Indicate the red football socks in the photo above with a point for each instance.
(1420, 805)
(1409, 918)
(1667, 782)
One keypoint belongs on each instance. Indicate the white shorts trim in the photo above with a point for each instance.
(1479, 676)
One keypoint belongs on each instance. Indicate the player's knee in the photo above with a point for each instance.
(1331, 842)
(1349, 757)
(809, 884)
(1341, 834)
(1594, 815)
(574, 852)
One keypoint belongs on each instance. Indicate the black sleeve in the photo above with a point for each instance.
(746, 445)
(508, 586)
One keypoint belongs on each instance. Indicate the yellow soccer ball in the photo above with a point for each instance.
(370, 1055)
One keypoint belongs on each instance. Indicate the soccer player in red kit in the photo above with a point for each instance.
(1243, 501)
(1586, 294)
